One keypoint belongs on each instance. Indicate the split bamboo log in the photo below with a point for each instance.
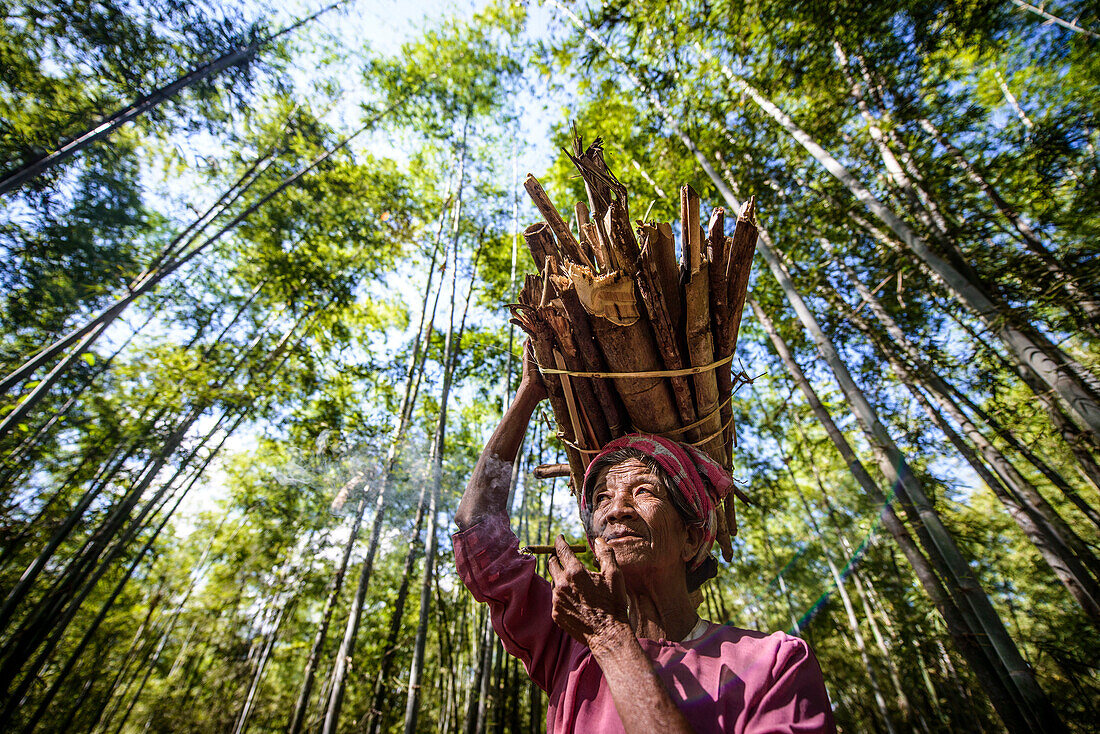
(627, 338)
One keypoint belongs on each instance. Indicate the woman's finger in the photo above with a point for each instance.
(553, 565)
(566, 557)
(605, 555)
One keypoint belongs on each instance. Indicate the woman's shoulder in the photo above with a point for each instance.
(730, 638)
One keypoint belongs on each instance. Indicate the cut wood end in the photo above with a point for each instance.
(748, 211)
(717, 219)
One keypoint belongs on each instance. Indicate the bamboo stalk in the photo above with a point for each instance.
(700, 338)
(540, 241)
(551, 471)
(649, 283)
(591, 234)
(587, 401)
(621, 239)
(648, 400)
(741, 251)
(664, 248)
(527, 317)
(722, 534)
(580, 211)
(716, 257)
(591, 357)
(569, 246)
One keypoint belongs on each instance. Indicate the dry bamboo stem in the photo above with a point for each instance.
(700, 342)
(739, 253)
(569, 246)
(540, 241)
(580, 211)
(527, 318)
(588, 403)
(648, 400)
(620, 237)
(591, 357)
(716, 256)
(664, 248)
(649, 282)
(722, 534)
(742, 249)
(591, 234)
(551, 471)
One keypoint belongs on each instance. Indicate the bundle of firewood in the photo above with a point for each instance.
(627, 339)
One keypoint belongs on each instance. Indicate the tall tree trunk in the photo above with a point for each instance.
(413, 372)
(347, 646)
(84, 336)
(846, 601)
(1052, 475)
(89, 631)
(960, 620)
(1033, 352)
(104, 127)
(1089, 303)
(376, 711)
(1065, 552)
(452, 350)
(45, 626)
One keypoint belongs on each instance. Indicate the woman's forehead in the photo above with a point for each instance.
(627, 469)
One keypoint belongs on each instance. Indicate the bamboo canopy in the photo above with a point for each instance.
(627, 338)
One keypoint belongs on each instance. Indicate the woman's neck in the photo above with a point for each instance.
(661, 609)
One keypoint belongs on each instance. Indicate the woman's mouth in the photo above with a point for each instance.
(610, 535)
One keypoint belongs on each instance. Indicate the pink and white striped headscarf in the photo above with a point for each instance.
(698, 478)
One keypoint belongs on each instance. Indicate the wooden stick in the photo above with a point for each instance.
(591, 234)
(587, 401)
(697, 327)
(648, 400)
(592, 358)
(716, 257)
(580, 211)
(742, 250)
(664, 248)
(722, 534)
(527, 318)
(551, 471)
(569, 246)
(621, 238)
(739, 253)
(540, 241)
(731, 515)
(543, 550)
(649, 283)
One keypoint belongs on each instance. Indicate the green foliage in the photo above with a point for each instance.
(282, 354)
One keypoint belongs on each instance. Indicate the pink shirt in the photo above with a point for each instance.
(728, 680)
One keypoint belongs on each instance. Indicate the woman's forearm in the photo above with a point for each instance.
(487, 491)
(641, 699)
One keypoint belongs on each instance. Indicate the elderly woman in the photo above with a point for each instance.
(623, 649)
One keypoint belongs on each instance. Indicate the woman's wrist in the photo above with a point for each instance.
(611, 640)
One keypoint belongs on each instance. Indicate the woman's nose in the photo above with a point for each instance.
(620, 505)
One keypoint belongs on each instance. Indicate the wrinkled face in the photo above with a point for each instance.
(632, 511)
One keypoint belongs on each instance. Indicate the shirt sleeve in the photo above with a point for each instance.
(492, 568)
(796, 701)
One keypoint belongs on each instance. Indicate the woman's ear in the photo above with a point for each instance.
(696, 537)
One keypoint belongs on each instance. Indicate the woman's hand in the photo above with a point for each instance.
(592, 607)
(531, 379)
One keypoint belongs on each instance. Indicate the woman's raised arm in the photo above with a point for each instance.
(487, 491)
